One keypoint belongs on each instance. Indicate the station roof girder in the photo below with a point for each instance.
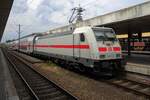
(136, 18)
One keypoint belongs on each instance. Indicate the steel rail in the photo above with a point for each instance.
(14, 66)
(25, 61)
(30, 66)
(128, 87)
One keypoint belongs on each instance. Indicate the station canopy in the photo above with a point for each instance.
(5, 7)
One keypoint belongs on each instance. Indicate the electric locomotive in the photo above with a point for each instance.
(96, 48)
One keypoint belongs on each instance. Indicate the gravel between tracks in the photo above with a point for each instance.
(83, 87)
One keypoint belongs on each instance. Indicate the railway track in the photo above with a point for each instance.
(40, 87)
(136, 87)
(32, 61)
(131, 85)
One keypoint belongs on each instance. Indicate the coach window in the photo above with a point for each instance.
(82, 37)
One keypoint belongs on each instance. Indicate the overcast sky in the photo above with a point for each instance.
(43, 15)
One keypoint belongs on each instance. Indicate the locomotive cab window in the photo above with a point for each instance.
(105, 35)
(82, 37)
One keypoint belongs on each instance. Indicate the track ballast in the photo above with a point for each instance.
(131, 85)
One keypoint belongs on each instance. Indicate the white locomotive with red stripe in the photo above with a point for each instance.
(96, 48)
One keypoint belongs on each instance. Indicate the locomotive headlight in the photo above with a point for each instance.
(102, 56)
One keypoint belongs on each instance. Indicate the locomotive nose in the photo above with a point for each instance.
(109, 51)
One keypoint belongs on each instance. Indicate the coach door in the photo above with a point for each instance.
(76, 45)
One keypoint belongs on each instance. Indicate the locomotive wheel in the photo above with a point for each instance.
(81, 68)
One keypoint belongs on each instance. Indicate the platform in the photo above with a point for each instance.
(138, 59)
(138, 52)
(7, 88)
(138, 63)
(138, 68)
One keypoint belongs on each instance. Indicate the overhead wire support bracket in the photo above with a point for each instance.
(78, 16)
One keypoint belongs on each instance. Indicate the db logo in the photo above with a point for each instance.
(109, 49)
